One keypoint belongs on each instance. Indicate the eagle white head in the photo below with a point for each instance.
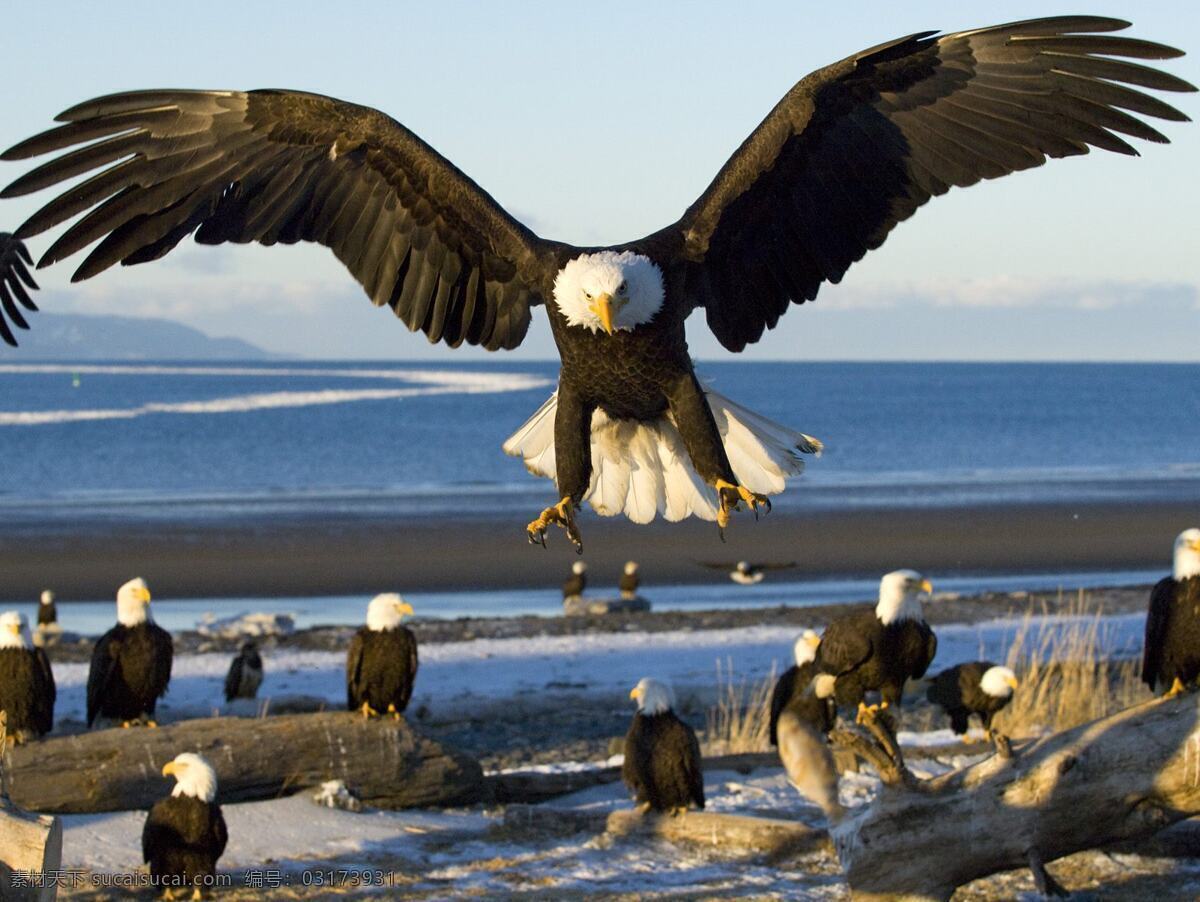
(805, 648)
(579, 568)
(133, 603)
(900, 596)
(1187, 554)
(998, 682)
(386, 611)
(14, 630)
(631, 568)
(609, 291)
(653, 697)
(193, 777)
(47, 597)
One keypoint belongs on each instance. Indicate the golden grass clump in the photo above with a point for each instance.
(1065, 679)
(740, 720)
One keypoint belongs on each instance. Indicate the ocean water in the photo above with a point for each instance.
(216, 439)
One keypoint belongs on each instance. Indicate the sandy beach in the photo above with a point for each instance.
(86, 556)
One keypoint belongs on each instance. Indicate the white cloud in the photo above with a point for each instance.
(1007, 292)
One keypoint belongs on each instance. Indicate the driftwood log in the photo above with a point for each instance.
(30, 844)
(1120, 778)
(383, 761)
(740, 833)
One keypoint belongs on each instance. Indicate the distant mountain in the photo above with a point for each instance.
(69, 336)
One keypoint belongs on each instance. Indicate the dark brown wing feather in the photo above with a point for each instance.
(1158, 618)
(15, 282)
(856, 147)
(283, 166)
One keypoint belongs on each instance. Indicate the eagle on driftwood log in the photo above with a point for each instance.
(848, 153)
(1171, 658)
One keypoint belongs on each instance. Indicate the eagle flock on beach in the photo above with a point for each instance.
(851, 151)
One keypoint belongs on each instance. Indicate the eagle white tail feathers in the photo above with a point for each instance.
(643, 469)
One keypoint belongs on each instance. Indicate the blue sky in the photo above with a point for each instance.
(600, 124)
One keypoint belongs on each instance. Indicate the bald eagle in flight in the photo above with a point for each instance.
(131, 663)
(27, 689)
(1171, 657)
(662, 754)
(381, 665)
(850, 151)
(15, 283)
(185, 834)
(879, 650)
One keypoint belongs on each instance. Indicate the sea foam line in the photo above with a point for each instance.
(464, 380)
(430, 382)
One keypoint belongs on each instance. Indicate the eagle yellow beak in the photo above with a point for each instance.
(926, 587)
(405, 608)
(1195, 546)
(602, 306)
(1012, 682)
(169, 769)
(635, 692)
(143, 595)
(814, 641)
(15, 629)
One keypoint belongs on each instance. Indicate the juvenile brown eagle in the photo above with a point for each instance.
(850, 151)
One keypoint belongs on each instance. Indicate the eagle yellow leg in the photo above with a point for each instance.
(368, 711)
(867, 712)
(1177, 688)
(392, 711)
(152, 724)
(730, 496)
(562, 514)
(197, 895)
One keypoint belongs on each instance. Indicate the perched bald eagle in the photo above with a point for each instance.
(662, 754)
(27, 689)
(574, 585)
(879, 650)
(47, 610)
(850, 151)
(245, 673)
(630, 582)
(980, 688)
(1171, 657)
(790, 690)
(131, 663)
(15, 282)
(381, 665)
(185, 833)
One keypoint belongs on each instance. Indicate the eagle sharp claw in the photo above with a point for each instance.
(561, 514)
(731, 496)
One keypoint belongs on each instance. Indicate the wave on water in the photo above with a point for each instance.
(430, 382)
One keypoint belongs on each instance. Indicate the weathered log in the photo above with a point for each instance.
(739, 833)
(30, 844)
(383, 761)
(1119, 778)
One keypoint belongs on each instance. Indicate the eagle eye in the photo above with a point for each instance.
(588, 295)
(622, 287)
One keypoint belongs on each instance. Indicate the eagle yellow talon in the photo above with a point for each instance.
(867, 712)
(562, 514)
(368, 711)
(152, 724)
(1177, 688)
(731, 496)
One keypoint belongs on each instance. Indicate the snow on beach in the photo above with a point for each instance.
(456, 676)
(435, 854)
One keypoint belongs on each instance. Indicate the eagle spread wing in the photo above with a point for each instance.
(284, 166)
(856, 147)
(15, 281)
